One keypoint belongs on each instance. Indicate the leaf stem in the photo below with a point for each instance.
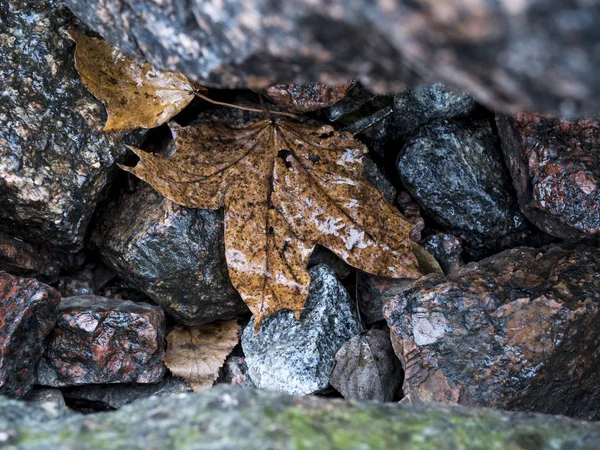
(245, 108)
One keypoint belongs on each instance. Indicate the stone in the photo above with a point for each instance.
(235, 372)
(115, 396)
(297, 357)
(54, 159)
(366, 368)
(35, 260)
(515, 331)
(372, 292)
(517, 56)
(46, 395)
(303, 98)
(322, 255)
(100, 340)
(554, 166)
(173, 254)
(456, 173)
(227, 418)
(446, 249)
(28, 312)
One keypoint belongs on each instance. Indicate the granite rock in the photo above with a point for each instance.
(554, 165)
(54, 159)
(446, 249)
(372, 292)
(297, 357)
(28, 312)
(102, 340)
(303, 98)
(516, 331)
(175, 255)
(235, 372)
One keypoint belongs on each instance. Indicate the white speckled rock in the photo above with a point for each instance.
(298, 357)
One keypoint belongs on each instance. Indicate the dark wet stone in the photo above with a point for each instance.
(555, 164)
(54, 159)
(456, 173)
(366, 368)
(322, 255)
(537, 55)
(28, 312)
(102, 340)
(228, 418)
(175, 255)
(235, 372)
(114, 396)
(298, 356)
(303, 98)
(411, 210)
(516, 331)
(446, 249)
(35, 260)
(373, 292)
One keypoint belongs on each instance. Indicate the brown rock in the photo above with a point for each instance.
(373, 292)
(555, 164)
(101, 340)
(308, 97)
(28, 311)
(517, 331)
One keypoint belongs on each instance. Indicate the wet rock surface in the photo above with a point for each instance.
(520, 56)
(309, 97)
(54, 159)
(28, 312)
(173, 254)
(101, 340)
(554, 167)
(366, 368)
(455, 171)
(196, 421)
(446, 249)
(516, 331)
(114, 396)
(297, 357)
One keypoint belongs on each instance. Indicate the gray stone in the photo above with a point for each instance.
(230, 418)
(173, 254)
(235, 372)
(519, 56)
(366, 368)
(455, 171)
(54, 159)
(42, 394)
(297, 357)
(117, 395)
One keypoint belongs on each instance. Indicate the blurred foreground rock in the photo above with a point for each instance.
(173, 254)
(28, 312)
(102, 340)
(297, 357)
(517, 331)
(256, 420)
(555, 165)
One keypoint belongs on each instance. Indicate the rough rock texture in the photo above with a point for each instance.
(117, 395)
(46, 395)
(54, 159)
(28, 312)
(555, 165)
(517, 331)
(535, 55)
(35, 260)
(455, 172)
(308, 97)
(373, 292)
(228, 418)
(175, 255)
(235, 372)
(297, 357)
(446, 249)
(102, 340)
(366, 368)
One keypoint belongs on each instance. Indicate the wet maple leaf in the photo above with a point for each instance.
(285, 187)
(197, 353)
(135, 95)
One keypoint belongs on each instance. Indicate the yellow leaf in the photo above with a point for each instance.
(286, 187)
(135, 95)
(196, 354)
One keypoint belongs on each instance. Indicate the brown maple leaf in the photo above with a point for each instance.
(285, 187)
(197, 353)
(135, 95)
